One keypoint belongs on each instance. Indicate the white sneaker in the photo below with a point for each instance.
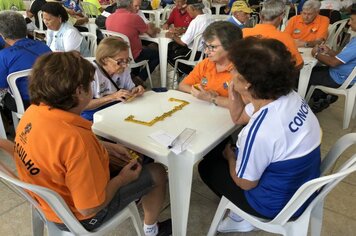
(228, 225)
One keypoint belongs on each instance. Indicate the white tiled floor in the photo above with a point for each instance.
(339, 214)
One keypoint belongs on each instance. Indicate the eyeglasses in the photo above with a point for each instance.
(121, 61)
(211, 48)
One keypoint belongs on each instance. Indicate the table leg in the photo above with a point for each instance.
(180, 173)
(304, 77)
(163, 55)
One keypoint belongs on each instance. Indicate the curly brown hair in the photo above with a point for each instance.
(56, 76)
(266, 64)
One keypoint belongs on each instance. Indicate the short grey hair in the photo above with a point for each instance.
(272, 9)
(198, 6)
(312, 4)
(12, 25)
(123, 3)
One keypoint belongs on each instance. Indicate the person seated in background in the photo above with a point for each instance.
(20, 54)
(181, 47)
(112, 79)
(273, 155)
(210, 78)
(100, 20)
(179, 18)
(272, 14)
(96, 4)
(71, 161)
(309, 28)
(339, 67)
(14, 5)
(126, 22)
(240, 14)
(61, 36)
(73, 7)
(33, 11)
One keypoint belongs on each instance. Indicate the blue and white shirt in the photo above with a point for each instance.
(348, 57)
(279, 148)
(102, 86)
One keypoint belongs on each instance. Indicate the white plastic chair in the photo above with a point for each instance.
(40, 30)
(314, 212)
(56, 202)
(191, 60)
(91, 39)
(89, 9)
(335, 31)
(349, 93)
(166, 12)
(11, 80)
(133, 64)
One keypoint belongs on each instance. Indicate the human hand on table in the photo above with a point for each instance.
(199, 92)
(122, 95)
(137, 91)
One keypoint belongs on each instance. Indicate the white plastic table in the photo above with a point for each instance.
(304, 76)
(157, 15)
(162, 42)
(212, 124)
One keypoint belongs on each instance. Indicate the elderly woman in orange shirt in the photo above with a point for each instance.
(210, 78)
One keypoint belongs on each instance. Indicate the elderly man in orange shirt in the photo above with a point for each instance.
(271, 17)
(309, 28)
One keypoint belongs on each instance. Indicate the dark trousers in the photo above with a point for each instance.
(320, 76)
(214, 171)
(153, 60)
(175, 52)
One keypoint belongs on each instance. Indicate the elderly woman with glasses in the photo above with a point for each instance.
(210, 78)
(112, 80)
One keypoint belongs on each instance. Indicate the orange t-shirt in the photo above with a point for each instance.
(270, 31)
(318, 29)
(57, 150)
(205, 73)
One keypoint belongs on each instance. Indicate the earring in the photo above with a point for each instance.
(246, 88)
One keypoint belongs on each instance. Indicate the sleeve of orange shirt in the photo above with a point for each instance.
(196, 74)
(295, 53)
(87, 173)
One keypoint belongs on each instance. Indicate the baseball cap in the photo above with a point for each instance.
(241, 6)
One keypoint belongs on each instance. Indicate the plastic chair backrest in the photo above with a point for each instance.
(166, 12)
(195, 47)
(89, 9)
(40, 20)
(322, 185)
(336, 150)
(349, 79)
(91, 39)
(334, 31)
(11, 80)
(325, 183)
(108, 33)
(52, 198)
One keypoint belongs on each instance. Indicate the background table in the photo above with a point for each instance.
(212, 124)
(162, 42)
